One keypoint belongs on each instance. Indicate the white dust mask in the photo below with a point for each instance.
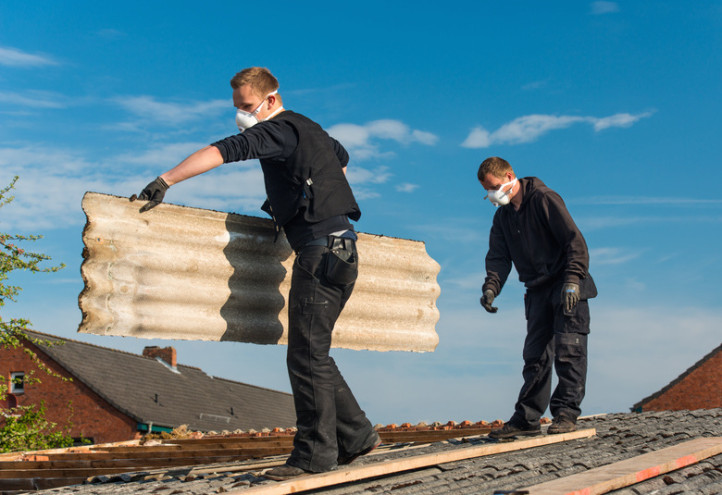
(246, 120)
(499, 197)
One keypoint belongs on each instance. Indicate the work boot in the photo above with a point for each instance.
(285, 472)
(561, 424)
(373, 441)
(510, 430)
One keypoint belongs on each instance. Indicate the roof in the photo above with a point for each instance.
(150, 391)
(712, 381)
(618, 437)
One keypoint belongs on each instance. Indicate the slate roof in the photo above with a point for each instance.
(619, 436)
(640, 405)
(148, 390)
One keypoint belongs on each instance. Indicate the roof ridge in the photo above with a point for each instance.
(120, 351)
(677, 380)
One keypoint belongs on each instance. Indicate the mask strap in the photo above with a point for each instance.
(278, 110)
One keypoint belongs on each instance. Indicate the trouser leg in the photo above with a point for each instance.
(538, 356)
(570, 343)
(327, 414)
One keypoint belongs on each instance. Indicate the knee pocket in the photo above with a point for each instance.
(573, 345)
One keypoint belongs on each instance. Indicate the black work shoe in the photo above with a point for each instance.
(285, 472)
(561, 424)
(373, 441)
(510, 430)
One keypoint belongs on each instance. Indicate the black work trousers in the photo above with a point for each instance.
(329, 420)
(558, 339)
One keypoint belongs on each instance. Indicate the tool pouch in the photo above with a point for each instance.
(342, 262)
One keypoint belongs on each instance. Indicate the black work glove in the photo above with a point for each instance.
(487, 299)
(570, 297)
(153, 193)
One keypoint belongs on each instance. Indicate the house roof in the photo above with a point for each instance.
(640, 405)
(618, 437)
(150, 391)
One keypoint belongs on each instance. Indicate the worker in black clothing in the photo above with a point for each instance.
(533, 230)
(308, 197)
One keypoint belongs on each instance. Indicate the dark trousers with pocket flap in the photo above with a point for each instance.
(558, 340)
(329, 420)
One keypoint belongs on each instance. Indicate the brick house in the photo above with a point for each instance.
(700, 387)
(116, 395)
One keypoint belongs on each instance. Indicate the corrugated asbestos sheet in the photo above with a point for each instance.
(175, 272)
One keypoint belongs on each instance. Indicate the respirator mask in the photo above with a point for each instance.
(246, 120)
(501, 197)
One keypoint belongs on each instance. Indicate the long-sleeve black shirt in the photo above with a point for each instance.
(268, 139)
(277, 140)
(540, 239)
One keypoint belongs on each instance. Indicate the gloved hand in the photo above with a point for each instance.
(487, 299)
(570, 297)
(153, 193)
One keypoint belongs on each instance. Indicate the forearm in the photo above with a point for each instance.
(199, 162)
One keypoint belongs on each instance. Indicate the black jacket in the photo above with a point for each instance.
(540, 239)
(293, 149)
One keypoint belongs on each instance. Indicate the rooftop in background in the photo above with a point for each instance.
(700, 387)
(153, 391)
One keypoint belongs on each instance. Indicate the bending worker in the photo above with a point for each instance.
(533, 230)
(311, 200)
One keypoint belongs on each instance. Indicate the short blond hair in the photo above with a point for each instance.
(498, 167)
(258, 78)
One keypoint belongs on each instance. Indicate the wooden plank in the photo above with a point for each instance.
(143, 465)
(430, 435)
(247, 452)
(347, 475)
(635, 470)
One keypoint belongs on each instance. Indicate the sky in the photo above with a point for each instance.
(614, 105)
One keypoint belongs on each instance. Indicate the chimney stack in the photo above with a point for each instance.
(167, 354)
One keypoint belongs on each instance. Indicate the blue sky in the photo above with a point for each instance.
(615, 105)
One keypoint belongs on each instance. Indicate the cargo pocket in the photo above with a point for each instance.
(342, 262)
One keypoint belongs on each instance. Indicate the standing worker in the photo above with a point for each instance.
(533, 230)
(310, 199)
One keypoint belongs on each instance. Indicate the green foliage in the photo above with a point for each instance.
(13, 257)
(26, 428)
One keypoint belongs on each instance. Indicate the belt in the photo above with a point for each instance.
(321, 241)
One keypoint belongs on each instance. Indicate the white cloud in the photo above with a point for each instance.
(642, 200)
(12, 57)
(534, 85)
(359, 175)
(602, 7)
(171, 113)
(52, 184)
(617, 120)
(612, 256)
(33, 99)
(407, 187)
(166, 155)
(477, 138)
(360, 140)
(530, 127)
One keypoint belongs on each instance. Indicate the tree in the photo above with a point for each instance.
(25, 426)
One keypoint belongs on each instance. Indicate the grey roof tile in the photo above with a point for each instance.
(149, 391)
